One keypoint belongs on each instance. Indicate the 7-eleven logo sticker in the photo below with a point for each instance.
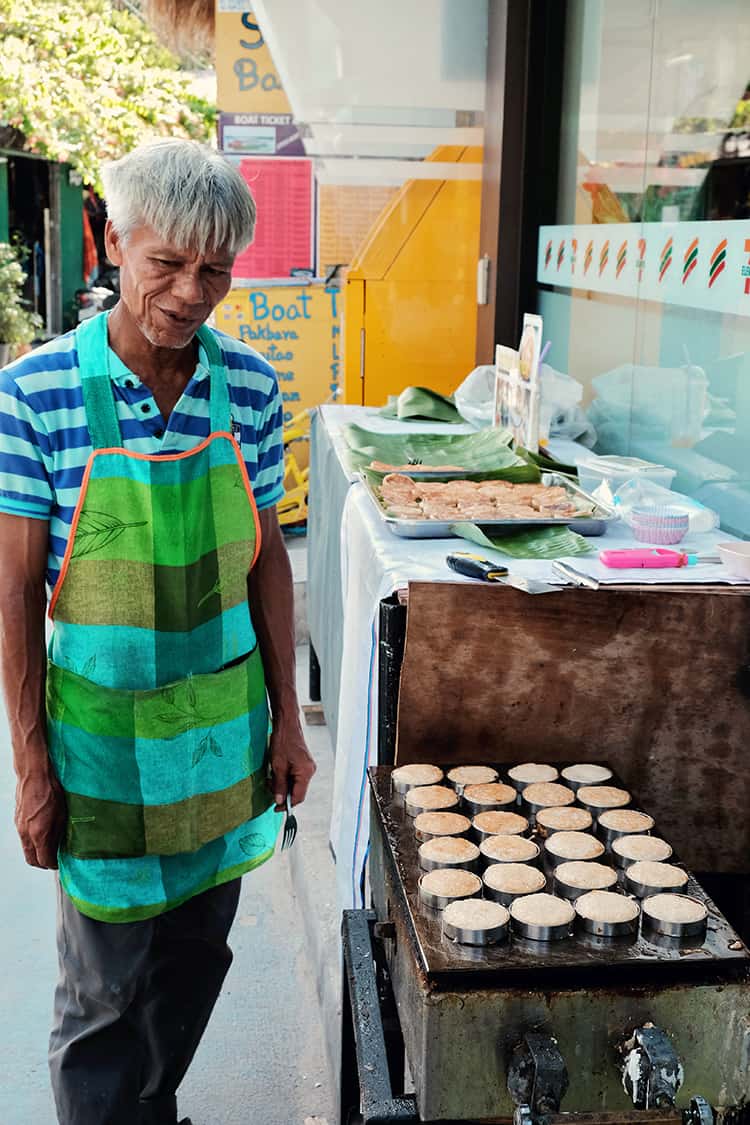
(718, 262)
(588, 255)
(560, 254)
(641, 261)
(622, 257)
(745, 271)
(665, 258)
(603, 258)
(690, 260)
(548, 254)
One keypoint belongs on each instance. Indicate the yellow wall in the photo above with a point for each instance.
(411, 290)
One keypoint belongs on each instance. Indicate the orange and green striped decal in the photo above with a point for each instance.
(690, 260)
(718, 262)
(641, 263)
(665, 258)
(588, 255)
(560, 254)
(603, 258)
(573, 254)
(622, 257)
(548, 254)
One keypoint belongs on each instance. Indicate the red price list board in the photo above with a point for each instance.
(283, 193)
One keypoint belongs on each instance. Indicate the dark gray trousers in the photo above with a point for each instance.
(131, 1005)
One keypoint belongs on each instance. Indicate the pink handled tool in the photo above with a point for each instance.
(654, 558)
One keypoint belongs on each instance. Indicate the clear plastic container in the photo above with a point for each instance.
(592, 470)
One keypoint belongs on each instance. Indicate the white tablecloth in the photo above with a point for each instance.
(375, 563)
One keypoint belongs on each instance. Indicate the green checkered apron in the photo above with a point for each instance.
(156, 703)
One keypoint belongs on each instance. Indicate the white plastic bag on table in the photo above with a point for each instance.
(560, 413)
(475, 398)
(642, 493)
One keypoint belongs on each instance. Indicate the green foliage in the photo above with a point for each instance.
(85, 83)
(18, 325)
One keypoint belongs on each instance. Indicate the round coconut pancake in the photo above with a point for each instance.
(417, 774)
(542, 910)
(587, 876)
(674, 908)
(606, 906)
(494, 793)
(657, 874)
(574, 845)
(449, 850)
(625, 820)
(451, 884)
(476, 914)
(509, 849)
(547, 794)
(442, 823)
(564, 819)
(587, 774)
(637, 848)
(499, 823)
(529, 772)
(431, 797)
(472, 775)
(603, 796)
(514, 878)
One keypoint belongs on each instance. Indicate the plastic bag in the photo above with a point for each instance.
(639, 493)
(560, 413)
(475, 398)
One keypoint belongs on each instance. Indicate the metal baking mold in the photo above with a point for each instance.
(600, 929)
(423, 835)
(647, 890)
(532, 859)
(570, 891)
(428, 864)
(492, 935)
(678, 930)
(625, 861)
(537, 932)
(439, 902)
(554, 860)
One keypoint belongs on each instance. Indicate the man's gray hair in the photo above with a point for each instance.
(186, 192)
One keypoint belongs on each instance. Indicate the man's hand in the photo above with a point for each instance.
(40, 817)
(292, 766)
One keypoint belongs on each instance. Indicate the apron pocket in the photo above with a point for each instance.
(163, 771)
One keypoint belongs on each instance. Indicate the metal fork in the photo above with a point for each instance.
(290, 826)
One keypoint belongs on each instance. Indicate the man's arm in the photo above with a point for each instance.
(40, 804)
(271, 595)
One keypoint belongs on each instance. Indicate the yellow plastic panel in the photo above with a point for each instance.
(354, 323)
(394, 228)
(417, 333)
(444, 246)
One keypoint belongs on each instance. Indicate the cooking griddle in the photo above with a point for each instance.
(574, 962)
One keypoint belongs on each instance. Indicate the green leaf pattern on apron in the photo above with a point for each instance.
(97, 529)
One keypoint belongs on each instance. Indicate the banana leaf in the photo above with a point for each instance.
(538, 543)
(421, 402)
(485, 455)
(549, 464)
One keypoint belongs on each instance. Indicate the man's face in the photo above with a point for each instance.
(168, 292)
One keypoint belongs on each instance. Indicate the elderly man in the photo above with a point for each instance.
(140, 463)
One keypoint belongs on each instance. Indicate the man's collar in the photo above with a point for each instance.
(124, 377)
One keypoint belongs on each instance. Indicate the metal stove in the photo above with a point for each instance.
(534, 1033)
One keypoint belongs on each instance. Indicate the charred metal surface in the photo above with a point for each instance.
(551, 965)
(651, 1073)
(462, 1011)
(377, 1103)
(537, 1075)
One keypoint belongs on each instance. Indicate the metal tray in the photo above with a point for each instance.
(443, 529)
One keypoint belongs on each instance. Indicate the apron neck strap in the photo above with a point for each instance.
(219, 405)
(98, 400)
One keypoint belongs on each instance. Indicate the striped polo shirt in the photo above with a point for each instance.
(45, 442)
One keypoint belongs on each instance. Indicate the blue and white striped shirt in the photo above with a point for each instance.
(45, 442)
